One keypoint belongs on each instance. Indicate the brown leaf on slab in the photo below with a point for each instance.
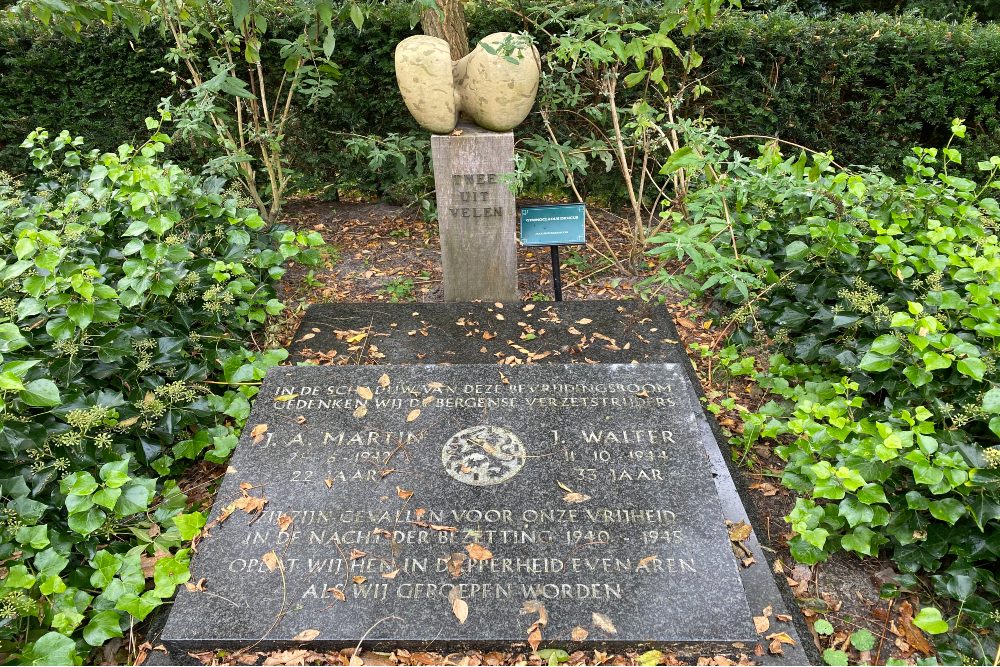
(427, 401)
(761, 624)
(528, 308)
(574, 498)
(536, 607)
(478, 552)
(460, 608)
(403, 493)
(781, 637)
(360, 411)
(489, 335)
(383, 381)
(604, 623)
(306, 635)
(270, 559)
(390, 575)
(365, 393)
(455, 563)
(775, 647)
(534, 636)
(337, 593)
(444, 529)
(784, 618)
(284, 521)
(645, 562)
(258, 433)
(413, 414)
(739, 532)
(197, 586)
(585, 320)
(578, 634)
(329, 483)
(358, 553)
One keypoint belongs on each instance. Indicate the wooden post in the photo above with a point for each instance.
(476, 214)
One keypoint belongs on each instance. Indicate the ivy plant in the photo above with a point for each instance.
(127, 286)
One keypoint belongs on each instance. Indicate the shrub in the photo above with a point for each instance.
(126, 288)
(882, 299)
(865, 87)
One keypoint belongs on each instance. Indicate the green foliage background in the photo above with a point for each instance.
(865, 87)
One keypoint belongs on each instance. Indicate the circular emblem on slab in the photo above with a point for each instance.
(483, 455)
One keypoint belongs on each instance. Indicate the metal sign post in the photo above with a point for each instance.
(554, 226)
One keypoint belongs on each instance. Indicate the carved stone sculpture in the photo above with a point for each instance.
(495, 86)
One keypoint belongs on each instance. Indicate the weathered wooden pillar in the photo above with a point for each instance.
(476, 214)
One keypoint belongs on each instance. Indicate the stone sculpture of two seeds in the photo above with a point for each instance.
(495, 86)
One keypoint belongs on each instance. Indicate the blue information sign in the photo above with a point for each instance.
(558, 224)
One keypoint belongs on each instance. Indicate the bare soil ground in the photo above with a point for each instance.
(385, 253)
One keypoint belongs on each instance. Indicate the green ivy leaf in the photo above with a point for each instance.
(87, 522)
(78, 484)
(991, 401)
(886, 345)
(947, 509)
(41, 393)
(115, 473)
(929, 620)
(189, 525)
(104, 625)
(52, 648)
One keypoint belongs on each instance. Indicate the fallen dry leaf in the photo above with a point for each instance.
(284, 521)
(365, 393)
(455, 564)
(360, 411)
(358, 579)
(739, 532)
(534, 636)
(358, 553)
(478, 552)
(383, 381)
(578, 634)
(270, 559)
(306, 635)
(258, 433)
(782, 637)
(761, 624)
(585, 320)
(337, 593)
(604, 623)
(912, 634)
(413, 414)
(460, 608)
(403, 493)
(390, 575)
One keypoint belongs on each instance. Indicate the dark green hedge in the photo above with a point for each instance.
(865, 86)
(868, 87)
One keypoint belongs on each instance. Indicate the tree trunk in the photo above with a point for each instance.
(451, 29)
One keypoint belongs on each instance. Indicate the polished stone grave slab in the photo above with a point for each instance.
(400, 498)
(475, 333)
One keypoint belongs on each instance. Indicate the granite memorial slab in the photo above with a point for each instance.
(489, 333)
(469, 506)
